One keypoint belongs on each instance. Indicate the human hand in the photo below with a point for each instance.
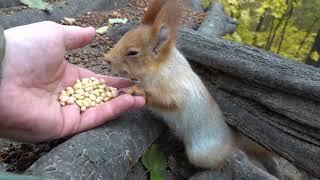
(34, 72)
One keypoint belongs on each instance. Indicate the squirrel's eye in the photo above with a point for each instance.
(132, 53)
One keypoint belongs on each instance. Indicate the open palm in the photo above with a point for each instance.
(34, 72)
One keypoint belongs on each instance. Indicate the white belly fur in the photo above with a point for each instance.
(199, 123)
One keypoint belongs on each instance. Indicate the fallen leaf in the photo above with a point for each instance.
(38, 4)
(70, 20)
(102, 30)
(118, 20)
(154, 160)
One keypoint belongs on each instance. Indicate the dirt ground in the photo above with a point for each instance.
(16, 157)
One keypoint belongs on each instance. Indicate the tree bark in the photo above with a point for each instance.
(251, 64)
(238, 167)
(255, 121)
(301, 117)
(108, 152)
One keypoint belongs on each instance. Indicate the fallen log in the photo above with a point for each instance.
(238, 167)
(108, 152)
(254, 120)
(251, 64)
(301, 117)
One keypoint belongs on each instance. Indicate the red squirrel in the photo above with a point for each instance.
(174, 91)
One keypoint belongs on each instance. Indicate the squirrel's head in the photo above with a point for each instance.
(142, 51)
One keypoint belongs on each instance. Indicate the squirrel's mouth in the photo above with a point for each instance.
(120, 72)
(126, 74)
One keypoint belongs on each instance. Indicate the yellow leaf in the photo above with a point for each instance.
(315, 56)
(102, 30)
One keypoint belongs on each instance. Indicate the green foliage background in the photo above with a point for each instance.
(286, 27)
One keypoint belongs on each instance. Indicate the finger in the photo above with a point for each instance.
(71, 120)
(76, 72)
(117, 82)
(77, 37)
(102, 113)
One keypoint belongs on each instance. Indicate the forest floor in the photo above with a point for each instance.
(17, 157)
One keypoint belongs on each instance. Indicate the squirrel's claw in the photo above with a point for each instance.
(134, 91)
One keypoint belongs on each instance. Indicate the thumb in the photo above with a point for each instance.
(77, 37)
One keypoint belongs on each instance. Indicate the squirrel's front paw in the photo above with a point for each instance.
(135, 91)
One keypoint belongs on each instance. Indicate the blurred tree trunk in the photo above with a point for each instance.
(315, 48)
(270, 33)
(307, 34)
(285, 28)
(270, 39)
(259, 27)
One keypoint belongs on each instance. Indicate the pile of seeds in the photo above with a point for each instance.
(87, 92)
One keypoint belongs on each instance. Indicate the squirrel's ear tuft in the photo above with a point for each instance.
(163, 17)
(152, 11)
(168, 19)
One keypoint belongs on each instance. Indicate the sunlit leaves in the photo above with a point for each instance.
(276, 7)
(300, 31)
(315, 56)
(206, 3)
